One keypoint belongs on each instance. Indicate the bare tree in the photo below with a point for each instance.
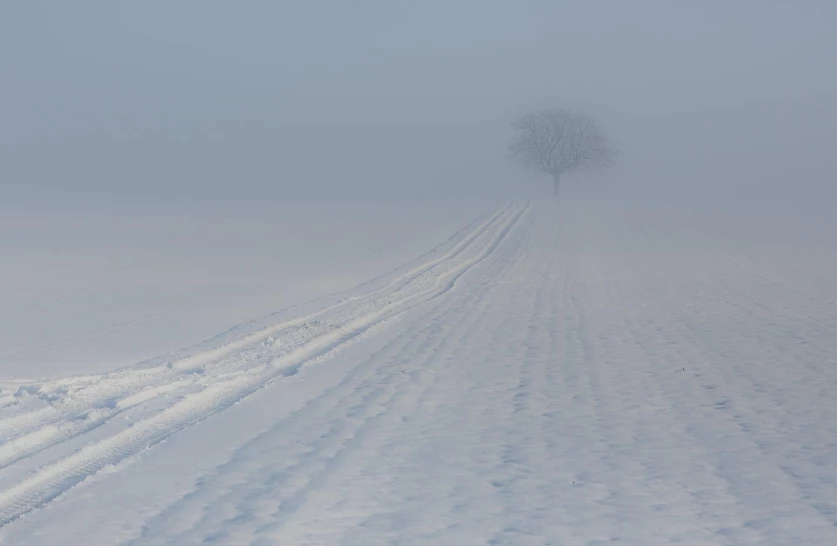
(559, 141)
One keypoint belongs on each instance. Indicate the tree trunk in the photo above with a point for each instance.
(557, 180)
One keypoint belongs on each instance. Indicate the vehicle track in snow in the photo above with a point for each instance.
(174, 395)
(80, 403)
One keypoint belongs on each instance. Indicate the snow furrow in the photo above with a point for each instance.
(238, 369)
(81, 404)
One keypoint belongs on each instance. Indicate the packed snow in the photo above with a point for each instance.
(574, 373)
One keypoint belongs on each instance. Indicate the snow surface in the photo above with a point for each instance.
(580, 375)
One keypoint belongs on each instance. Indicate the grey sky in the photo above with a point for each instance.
(271, 99)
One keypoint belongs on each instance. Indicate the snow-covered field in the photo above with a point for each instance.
(587, 374)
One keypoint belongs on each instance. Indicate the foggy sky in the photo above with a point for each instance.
(264, 100)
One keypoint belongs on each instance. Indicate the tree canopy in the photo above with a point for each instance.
(559, 141)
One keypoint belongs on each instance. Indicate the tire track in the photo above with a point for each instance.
(81, 404)
(72, 398)
(319, 334)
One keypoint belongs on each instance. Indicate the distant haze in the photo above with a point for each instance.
(268, 100)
